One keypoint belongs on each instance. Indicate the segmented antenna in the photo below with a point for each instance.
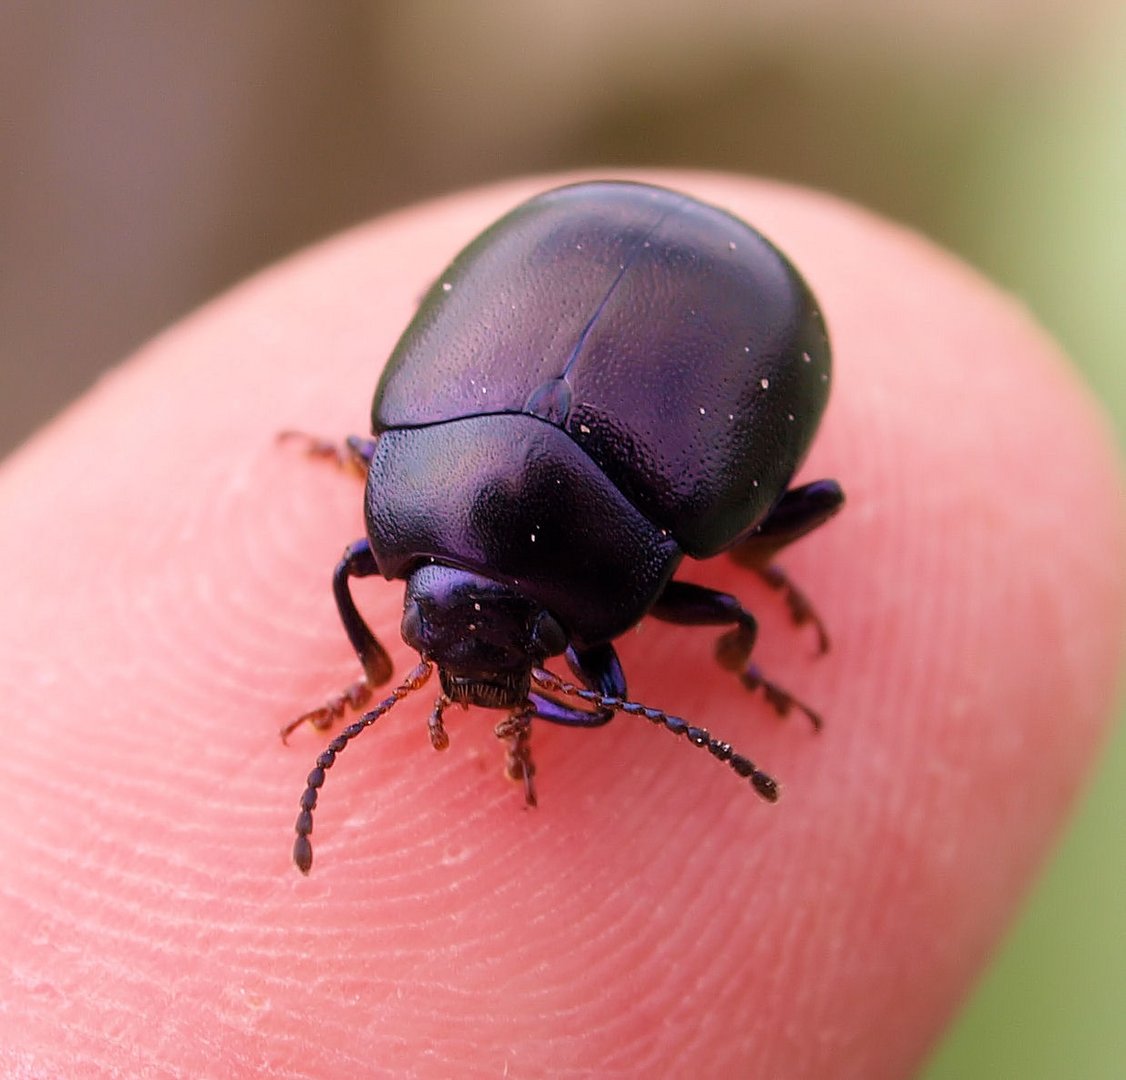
(764, 785)
(302, 848)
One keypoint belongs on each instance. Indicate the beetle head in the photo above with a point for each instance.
(484, 636)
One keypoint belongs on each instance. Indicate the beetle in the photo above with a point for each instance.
(610, 378)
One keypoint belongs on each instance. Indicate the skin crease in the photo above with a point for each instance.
(165, 573)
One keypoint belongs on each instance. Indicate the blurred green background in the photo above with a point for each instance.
(153, 153)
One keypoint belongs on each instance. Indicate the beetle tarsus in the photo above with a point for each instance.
(439, 738)
(732, 653)
(518, 764)
(802, 610)
(781, 700)
(353, 699)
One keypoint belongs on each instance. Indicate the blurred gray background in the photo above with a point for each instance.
(152, 153)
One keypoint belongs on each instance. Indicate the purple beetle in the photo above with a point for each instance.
(610, 378)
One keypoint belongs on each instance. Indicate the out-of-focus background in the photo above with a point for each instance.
(152, 153)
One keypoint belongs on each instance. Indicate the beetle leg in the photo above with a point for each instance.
(438, 737)
(518, 765)
(802, 610)
(599, 669)
(354, 455)
(694, 605)
(556, 712)
(799, 511)
(778, 697)
(358, 561)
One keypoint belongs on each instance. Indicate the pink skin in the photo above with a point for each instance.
(167, 608)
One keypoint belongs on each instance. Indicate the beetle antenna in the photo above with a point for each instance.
(764, 785)
(302, 848)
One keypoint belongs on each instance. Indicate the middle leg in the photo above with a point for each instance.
(694, 605)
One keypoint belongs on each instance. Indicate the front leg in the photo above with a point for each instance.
(600, 671)
(694, 605)
(597, 668)
(358, 561)
(518, 765)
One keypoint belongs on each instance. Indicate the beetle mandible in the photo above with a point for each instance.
(611, 377)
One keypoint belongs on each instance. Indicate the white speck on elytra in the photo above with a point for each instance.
(703, 411)
(764, 383)
(730, 245)
(446, 286)
(789, 416)
(806, 358)
(584, 429)
(730, 416)
(754, 483)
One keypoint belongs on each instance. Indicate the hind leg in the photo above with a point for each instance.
(799, 511)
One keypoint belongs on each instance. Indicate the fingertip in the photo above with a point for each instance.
(974, 626)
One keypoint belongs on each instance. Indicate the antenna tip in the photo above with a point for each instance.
(303, 854)
(764, 785)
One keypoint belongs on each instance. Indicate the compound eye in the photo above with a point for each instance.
(411, 626)
(548, 637)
